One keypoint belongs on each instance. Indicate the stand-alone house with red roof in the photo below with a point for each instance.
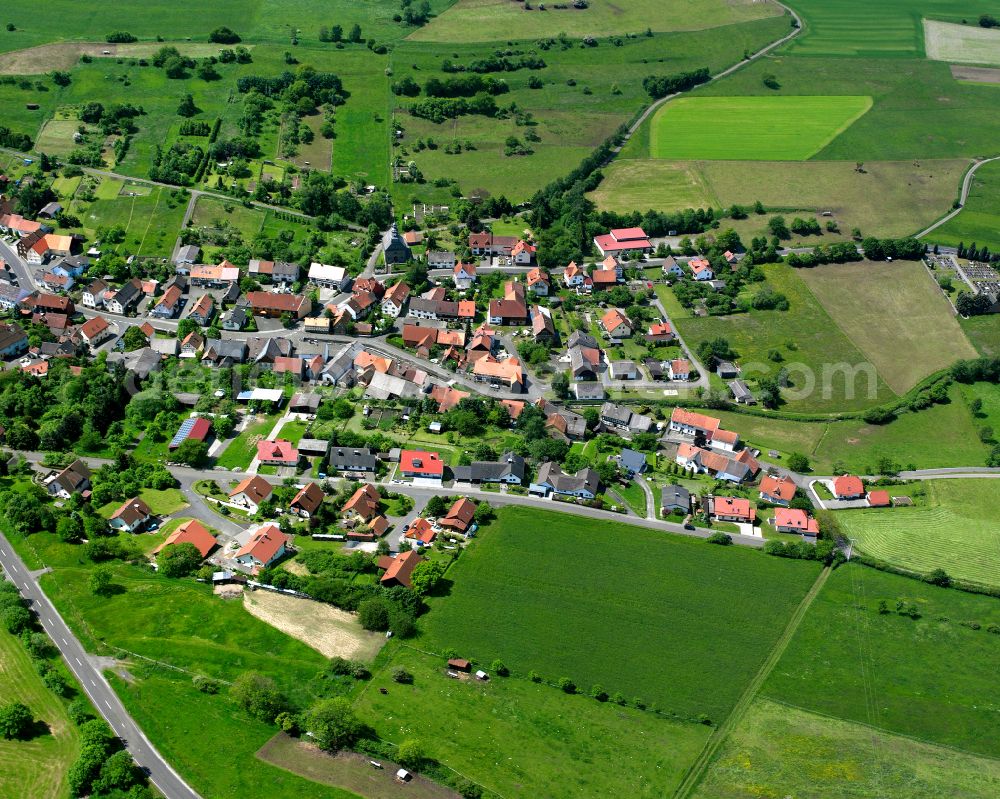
(191, 532)
(307, 501)
(777, 490)
(460, 516)
(732, 509)
(424, 468)
(251, 493)
(277, 453)
(264, 547)
(399, 569)
(132, 516)
(623, 241)
(847, 487)
(795, 520)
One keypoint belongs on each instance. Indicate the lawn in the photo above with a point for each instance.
(36, 767)
(812, 347)
(519, 738)
(979, 221)
(961, 44)
(984, 333)
(779, 750)
(634, 497)
(927, 677)
(500, 20)
(151, 221)
(891, 28)
(956, 531)
(243, 448)
(896, 316)
(653, 596)
(162, 502)
(213, 213)
(752, 128)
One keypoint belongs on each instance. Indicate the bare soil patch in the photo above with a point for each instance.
(63, 55)
(975, 74)
(347, 770)
(330, 631)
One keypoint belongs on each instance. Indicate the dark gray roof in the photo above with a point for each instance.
(353, 459)
(632, 461)
(740, 391)
(222, 348)
(509, 464)
(576, 338)
(588, 391)
(552, 475)
(675, 496)
(313, 446)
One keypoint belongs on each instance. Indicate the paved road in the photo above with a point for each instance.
(963, 196)
(92, 680)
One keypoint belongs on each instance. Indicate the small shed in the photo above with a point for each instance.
(482, 675)
(459, 664)
(403, 775)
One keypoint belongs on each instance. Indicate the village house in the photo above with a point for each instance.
(169, 305)
(399, 568)
(12, 297)
(424, 468)
(420, 532)
(732, 509)
(19, 226)
(507, 373)
(464, 275)
(573, 276)
(674, 499)
(777, 490)
(736, 469)
(126, 298)
(486, 243)
(538, 282)
(671, 268)
(679, 369)
(623, 370)
(459, 518)
(265, 546)
(275, 272)
(623, 241)
(622, 419)
(95, 331)
(847, 487)
(277, 453)
(363, 504)
(203, 310)
(564, 422)
(192, 345)
(307, 501)
(794, 520)
(660, 333)
(602, 279)
(93, 295)
(191, 532)
(631, 462)
(741, 393)
(132, 516)
(616, 324)
(727, 370)
(251, 493)
(879, 499)
(551, 479)
(73, 479)
(512, 309)
(359, 461)
(218, 276)
(328, 276)
(188, 254)
(395, 299)
(543, 329)
(701, 269)
(509, 468)
(440, 259)
(224, 352)
(13, 341)
(265, 303)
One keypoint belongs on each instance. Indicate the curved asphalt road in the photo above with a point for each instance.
(91, 680)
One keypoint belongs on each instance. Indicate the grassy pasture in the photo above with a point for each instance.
(631, 184)
(752, 128)
(955, 531)
(151, 221)
(891, 28)
(552, 610)
(214, 213)
(519, 738)
(36, 767)
(979, 221)
(895, 314)
(984, 333)
(502, 20)
(961, 44)
(925, 677)
(779, 750)
(817, 340)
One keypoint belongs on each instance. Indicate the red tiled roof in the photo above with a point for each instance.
(401, 568)
(734, 506)
(460, 515)
(879, 499)
(256, 488)
(309, 498)
(780, 487)
(280, 450)
(421, 530)
(191, 532)
(693, 419)
(264, 544)
(796, 519)
(848, 485)
(425, 464)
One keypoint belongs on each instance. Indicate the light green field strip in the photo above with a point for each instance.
(792, 128)
(961, 44)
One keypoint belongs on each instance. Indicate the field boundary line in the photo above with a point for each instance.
(894, 733)
(963, 196)
(698, 768)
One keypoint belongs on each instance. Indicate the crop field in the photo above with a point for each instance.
(35, 767)
(550, 615)
(633, 184)
(979, 221)
(519, 738)
(809, 341)
(501, 20)
(906, 94)
(752, 128)
(955, 531)
(895, 314)
(925, 677)
(961, 44)
(891, 28)
(778, 750)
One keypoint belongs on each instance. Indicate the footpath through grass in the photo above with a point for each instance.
(35, 767)
(617, 605)
(956, 531)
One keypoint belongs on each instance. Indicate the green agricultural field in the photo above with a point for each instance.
(956, 531)
(961, 44)
(219, 214)
(895, 314)
(979, 221)
(630, 185)
(361, 146)
(809, 341)
(906, 93)
(779, 750)
(151, 220)
(927, 678)
(36, 767)
(891, 28)
(519, 738)
(56, 136)
(653, 597)
(984, 333)
(500, 20)
(752, 128)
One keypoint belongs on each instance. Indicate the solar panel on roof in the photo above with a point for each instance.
(182, 433)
